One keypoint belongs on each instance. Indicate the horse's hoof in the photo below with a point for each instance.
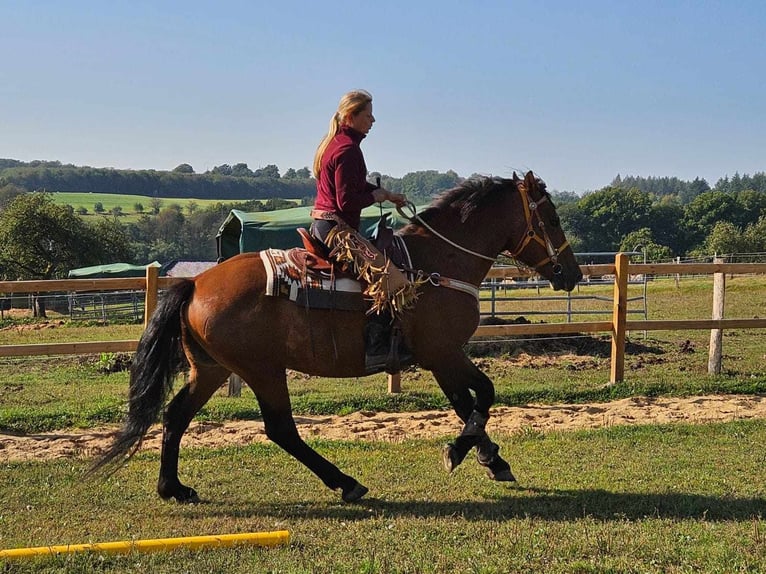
(502, 476)
(188, 497)
(183, 495)
(450, 457)
(355, 493)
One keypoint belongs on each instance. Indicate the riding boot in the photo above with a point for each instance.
(384, 345)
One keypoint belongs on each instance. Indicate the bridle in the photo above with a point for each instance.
(542, 238)
(530, 215)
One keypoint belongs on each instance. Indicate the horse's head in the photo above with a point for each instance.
(542, 244)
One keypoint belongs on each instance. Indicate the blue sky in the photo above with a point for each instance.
(576, 91)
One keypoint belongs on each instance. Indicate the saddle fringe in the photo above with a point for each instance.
(383, 295)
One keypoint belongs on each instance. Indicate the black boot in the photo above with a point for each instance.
(384, 348)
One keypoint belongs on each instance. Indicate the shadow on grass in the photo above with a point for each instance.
(561, 505)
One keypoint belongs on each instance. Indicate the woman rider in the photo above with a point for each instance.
(342, 192)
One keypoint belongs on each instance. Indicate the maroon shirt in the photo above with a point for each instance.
(342, 186)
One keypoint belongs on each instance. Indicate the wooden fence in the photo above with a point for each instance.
(618, 326)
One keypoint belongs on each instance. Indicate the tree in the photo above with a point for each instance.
(241, 170)
(138, 207)
(223, 169)
(695, 188)
(8, 192)
(755, 235)
(751, 205)
(643, 240)
(303, 173)
(726, 239)
(707, 209)
(271, 171)
(98, 207)
(603, 218)
(666, 221)
(42, 240)
(183, 168)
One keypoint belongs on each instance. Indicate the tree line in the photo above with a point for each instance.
(665, 216)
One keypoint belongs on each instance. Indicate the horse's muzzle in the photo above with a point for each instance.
(565, 279)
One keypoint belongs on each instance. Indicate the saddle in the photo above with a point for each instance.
(316, 256)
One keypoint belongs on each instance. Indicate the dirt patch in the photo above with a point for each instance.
(397, 427)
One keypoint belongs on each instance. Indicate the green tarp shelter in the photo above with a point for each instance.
(111, 270)
(243, 231)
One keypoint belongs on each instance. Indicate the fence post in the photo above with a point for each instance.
(235, 385)
(716, 335)
(150, 303)
(395, 383)
(619, 317)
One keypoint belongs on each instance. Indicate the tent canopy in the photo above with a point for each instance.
(111, 270)
(243, 232)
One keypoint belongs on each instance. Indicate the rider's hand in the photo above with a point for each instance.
(397, 199)
(381, 194)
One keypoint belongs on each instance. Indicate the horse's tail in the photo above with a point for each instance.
(158, 359)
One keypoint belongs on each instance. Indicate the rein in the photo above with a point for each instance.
(530, 214)
(417, 217)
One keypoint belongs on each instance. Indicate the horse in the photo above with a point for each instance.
(222, 322)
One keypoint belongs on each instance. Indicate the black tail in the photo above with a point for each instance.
(158, 359)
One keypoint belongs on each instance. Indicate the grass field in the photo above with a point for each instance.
(653, 498)
(128, 202)
(665, 499)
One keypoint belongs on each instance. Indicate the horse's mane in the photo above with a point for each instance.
(466, 197)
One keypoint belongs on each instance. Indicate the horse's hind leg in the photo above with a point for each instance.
(204, 380)
(270, 389)
(457, 377)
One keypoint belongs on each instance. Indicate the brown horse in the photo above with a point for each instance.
(222, 322)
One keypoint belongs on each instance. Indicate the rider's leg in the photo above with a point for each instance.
(387, 287)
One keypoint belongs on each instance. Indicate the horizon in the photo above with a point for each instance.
(281, 172)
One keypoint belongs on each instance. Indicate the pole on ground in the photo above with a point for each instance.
(274, 538)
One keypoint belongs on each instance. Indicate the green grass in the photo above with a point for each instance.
(639, 499)
(672, 498)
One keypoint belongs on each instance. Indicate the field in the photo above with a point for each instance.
(127, 203)
(636, 497)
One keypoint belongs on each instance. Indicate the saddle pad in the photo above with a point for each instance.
(284, 278)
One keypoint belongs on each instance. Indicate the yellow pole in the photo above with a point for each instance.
(274, 538)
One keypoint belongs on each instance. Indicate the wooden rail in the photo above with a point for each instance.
(617, 327)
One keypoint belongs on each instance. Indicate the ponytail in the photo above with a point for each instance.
(331, 133)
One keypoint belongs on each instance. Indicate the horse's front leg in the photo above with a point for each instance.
(457, 377)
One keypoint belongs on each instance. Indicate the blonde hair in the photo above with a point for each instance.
(351, 103)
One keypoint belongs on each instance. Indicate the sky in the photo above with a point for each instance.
(576, 91)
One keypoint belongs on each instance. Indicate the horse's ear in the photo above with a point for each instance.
(530, 181)
(515, 178)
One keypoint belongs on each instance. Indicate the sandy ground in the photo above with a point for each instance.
(396, 427)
